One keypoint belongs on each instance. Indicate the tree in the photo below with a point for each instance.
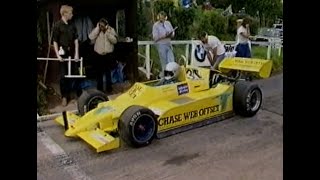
(266, 10)
(141, 21)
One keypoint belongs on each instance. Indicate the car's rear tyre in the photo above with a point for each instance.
(137, 126)
(247, 98)
(89, 100)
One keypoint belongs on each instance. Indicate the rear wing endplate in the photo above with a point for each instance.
(260, 67)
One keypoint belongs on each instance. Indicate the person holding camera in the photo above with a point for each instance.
(104, 38)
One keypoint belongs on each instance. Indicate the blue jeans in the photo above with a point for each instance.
(243, 50)
(165, 54)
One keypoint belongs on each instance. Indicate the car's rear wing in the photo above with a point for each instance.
(260, 67)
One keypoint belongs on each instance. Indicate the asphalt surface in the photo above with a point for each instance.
(234, 149)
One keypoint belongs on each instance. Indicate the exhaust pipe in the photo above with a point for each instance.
(65, 121)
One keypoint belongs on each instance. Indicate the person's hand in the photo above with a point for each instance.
(168, 34)
(76, 56)
(210, 57)
(60, 58)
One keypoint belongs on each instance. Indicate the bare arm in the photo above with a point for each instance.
(214, 51)
(55, 37)
(56, 50)
(76, 45)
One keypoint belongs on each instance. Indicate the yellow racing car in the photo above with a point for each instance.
(148, 110)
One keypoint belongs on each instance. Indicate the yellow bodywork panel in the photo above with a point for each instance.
(71, 117)
(260, 67)
(189, 101)
(193, 108)
(100, 140)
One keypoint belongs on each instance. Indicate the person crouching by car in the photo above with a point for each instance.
(104, 38)
(243, 34)
(214, 45)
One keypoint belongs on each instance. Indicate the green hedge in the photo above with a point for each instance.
(191, 21)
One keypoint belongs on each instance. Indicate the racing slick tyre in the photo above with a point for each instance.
(89, 100)
(247, 98)
(137, 126)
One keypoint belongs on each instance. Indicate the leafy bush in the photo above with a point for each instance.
(192, 21)
(164, 5)
(41, 98)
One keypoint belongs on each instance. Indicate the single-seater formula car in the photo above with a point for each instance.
(148, 110)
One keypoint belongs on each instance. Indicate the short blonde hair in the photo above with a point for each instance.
(65, 9)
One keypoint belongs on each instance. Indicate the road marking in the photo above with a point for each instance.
(68, 165)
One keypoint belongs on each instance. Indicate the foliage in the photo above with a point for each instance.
(261, 52)
(41, 97)
(164, 5)
(183, 20)
(142, 21)
(194, 20)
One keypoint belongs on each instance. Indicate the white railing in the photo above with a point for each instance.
(69, 75)
(148, 63)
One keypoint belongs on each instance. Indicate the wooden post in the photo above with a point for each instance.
(49, 45)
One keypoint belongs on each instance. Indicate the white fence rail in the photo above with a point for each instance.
(69, 75)
(146, 69)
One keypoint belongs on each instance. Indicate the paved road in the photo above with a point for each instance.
(234, 149)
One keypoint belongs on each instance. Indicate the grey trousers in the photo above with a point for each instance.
(166, 55)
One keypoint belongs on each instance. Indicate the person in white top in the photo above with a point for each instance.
(243, 41)
(213, 44)
(239, 23)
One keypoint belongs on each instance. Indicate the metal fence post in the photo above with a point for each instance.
(187, 52)
(279, 51)
(69, 66)
(148, 61)
(269, 51)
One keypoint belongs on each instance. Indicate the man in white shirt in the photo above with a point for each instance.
(213, 44)
(104, 38)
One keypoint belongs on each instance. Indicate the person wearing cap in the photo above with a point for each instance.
(243, 46)
(214, 45)
(162, 32)
(104, 38)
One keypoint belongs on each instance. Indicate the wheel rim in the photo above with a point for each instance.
(94, 101)
(255, 100)
(143, 128)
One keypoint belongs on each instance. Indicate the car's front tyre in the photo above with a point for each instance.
(137, 126)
